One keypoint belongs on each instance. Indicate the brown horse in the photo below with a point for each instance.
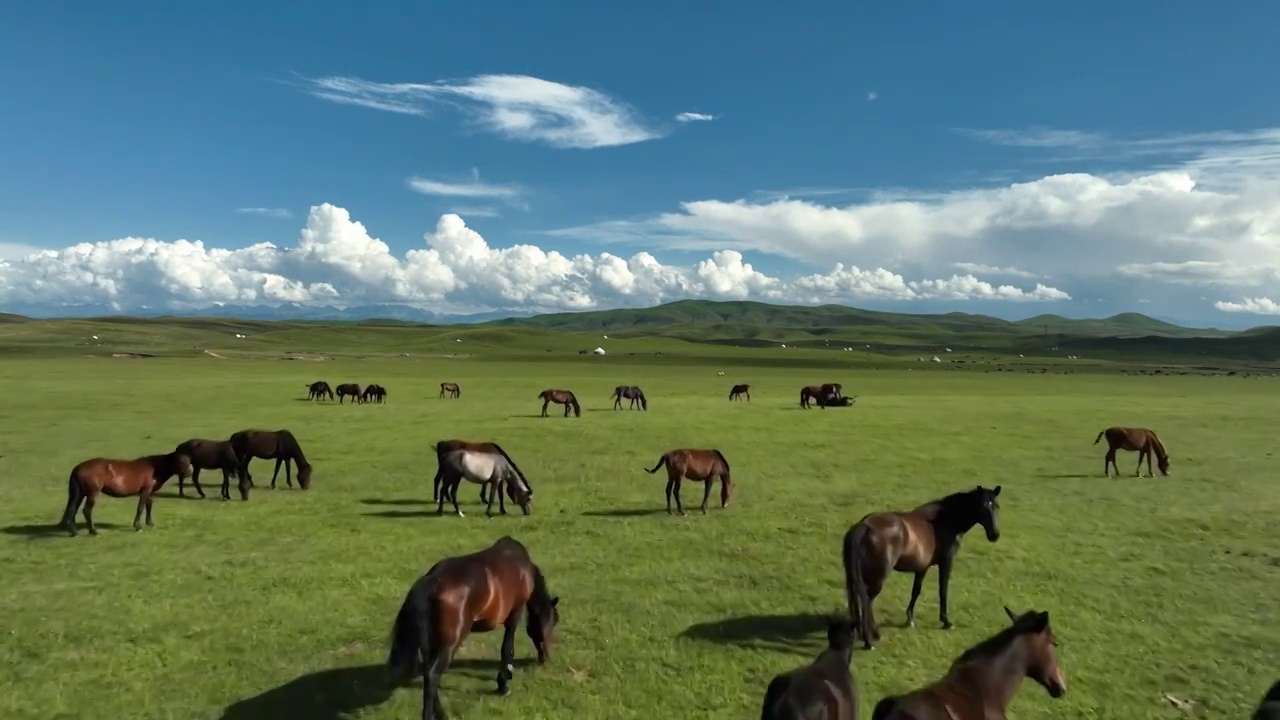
(1139, 440)
(703, 465)
(913, 542)
(982, 682)
(817, 393)
(465, 594)
(835, 390)
(278, 445)
(560, 397)
(375, 393)
(212, 455)
(445, 446)
(738, 391)
(632, 393)
(119, 478)
(821, 690)
(1269, 708)
(351, 390)
(318, 390)
(450, 389)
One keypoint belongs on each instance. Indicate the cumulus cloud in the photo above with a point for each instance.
(1256, 306)
(694, 117)
(337, 262)
(518, 107)
(278, 213)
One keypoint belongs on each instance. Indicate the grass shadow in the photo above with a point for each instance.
(408, 513)
(394, 501)
(624, 513)
(49, 531)
(326, 695)
(548, 417)
(783, 633)
(1067, 476)
(487, 667)
(173, 494)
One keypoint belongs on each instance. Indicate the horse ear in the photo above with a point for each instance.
(996, 492)
(555, 601)
(1009, 612)
(1040, 621)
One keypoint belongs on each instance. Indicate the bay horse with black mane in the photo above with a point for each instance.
(632, 393)
(1133, 439)
(375, 393)
(445, 446)
(450, 389)
(821, 690)
(351, 390)
(318, 390)
(460, 595)
(817, 393)
(698, 465)
(560, 397)
(982, 682)
(117, 479)
(278, 445)
(738, 391)
(212, 455)
(912, 541)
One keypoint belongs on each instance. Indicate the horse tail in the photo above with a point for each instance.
(884, 708)
(804, 392)
(228, 458)
(661, 461)
(407, 634)
(773, 698)
(74, 493)
(1099, 438)
(855, 583)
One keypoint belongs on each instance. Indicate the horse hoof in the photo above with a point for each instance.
(947, 625)
(504, 691)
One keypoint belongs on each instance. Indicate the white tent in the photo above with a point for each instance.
(598, 351)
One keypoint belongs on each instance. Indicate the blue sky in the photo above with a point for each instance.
(1002, 157)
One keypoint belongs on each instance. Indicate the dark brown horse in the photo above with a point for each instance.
(450, 389)
(632, 393)
(212, 455)
(351, 390)
(318, 390)
(471, 593)
(698, 465)
(278, 445)
(821, 690)
(445, 446)
(1269, 708)
(560, 397)
(835, 390)
(119, 478)
(1132, 439)
(816, 393)
(982, 682)
(913, 542)
(375, 393)
(738, 391)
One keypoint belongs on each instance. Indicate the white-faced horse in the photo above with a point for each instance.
(485, 469)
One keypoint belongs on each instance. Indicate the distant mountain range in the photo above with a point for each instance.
(287, 311)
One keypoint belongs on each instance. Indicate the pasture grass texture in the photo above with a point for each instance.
(281, 607)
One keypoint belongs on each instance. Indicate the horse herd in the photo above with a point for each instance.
(500, 585)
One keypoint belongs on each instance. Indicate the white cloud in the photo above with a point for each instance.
(278, 213)
(872, 96)
(473, 189)
(1255, 306)
(981, 269)
(337, 262)
(466, 212)
(518, 107)
(694, 117)
(16, 251)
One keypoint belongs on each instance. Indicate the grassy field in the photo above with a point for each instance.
(281, 607)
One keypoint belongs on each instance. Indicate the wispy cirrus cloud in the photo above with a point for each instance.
(518, 107)
(467, 212)
(685, 117)
(268, 212)
(982, 269)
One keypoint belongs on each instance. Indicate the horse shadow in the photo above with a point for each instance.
(428, 513)
(393, 501)
(36, 532)
(1067, 476)
(624, 512)
(794, 633)
(486, 668)
(173, 494)
(335, 694)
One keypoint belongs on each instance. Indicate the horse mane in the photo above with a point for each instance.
(1157, 446)
(722, 459)
(934, 508)
(995, 644)
(524, 480)
(293, 447)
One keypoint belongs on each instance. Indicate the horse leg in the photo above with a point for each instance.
(1144, 453)
(507, 659)
(502, 496)
(670, 484)
(706, 493)
(916, 586)
(453, 496)
(137, 516)
(276, 474)
(544, 407)
(489, 510)
(195, 480)
(944, 580)
(226, 484)
(617, 402)
(288, 472)
(90, 499)
(875, 585)
(74, 499)
(1108, 461)
(679, 506)
(440, 655)
(566, 409)
(150, 498)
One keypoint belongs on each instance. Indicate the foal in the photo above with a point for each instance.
(704, 465)
(117, 479)
(821, 690)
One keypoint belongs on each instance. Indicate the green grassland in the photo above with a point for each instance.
(281, 607)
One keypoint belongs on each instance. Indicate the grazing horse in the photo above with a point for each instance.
(1269, 708)
(486, 469)
(351, 390)
(913, 542)
(444, 446)
(1140, 440)
(835, 390)
(374, 392)
(212, 455)
(318, 390)
(818, 393)
(465, 594)
(632, 393)
(450, 389)
(982, 682)
(119, 478)
(821, 690)
(738, 391)
(704, 465)
(278, 445)
(560, 397)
